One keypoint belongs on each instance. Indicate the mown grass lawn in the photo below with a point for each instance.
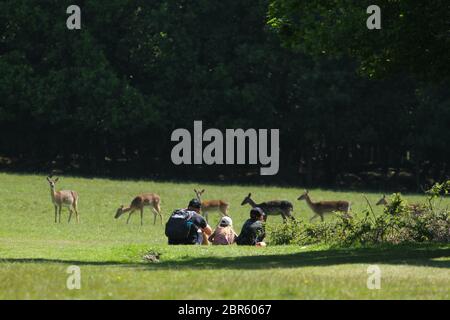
(35, 252)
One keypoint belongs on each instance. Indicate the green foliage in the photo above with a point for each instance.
(399, 223)
(396, 206)
(104, 100)
(287, 233)
(439, 190)
(339, 28)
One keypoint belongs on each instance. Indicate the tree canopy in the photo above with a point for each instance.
(415, 35)
(104, 100)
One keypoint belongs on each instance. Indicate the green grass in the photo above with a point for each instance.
(35, 252)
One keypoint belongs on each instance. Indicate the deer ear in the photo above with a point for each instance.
(48, 179)
(195, 191)
(56, 180)
(203, 191)
(249, 195)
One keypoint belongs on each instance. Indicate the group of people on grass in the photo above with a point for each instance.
(187, 226)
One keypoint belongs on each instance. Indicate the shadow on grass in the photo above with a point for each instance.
(400, 256)
(421, 256)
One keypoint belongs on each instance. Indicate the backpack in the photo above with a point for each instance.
(178, 226)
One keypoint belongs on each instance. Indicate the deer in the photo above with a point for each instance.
(138, 203)
(383, 201)
(63, 198)
(414, 207)
(274, 207)
(211, 205)
(321, 208)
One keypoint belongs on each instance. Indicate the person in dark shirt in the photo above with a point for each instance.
(253, 233)
(187, 226)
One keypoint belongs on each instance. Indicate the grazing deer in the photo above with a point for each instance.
(211, 205)
(415, 207)
(382, 202)
(274, 207)
(138, 203)
(321, 208)
(63, 198)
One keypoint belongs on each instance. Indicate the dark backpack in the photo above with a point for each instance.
(178, 226)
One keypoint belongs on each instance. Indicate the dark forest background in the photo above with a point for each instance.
(355, 108)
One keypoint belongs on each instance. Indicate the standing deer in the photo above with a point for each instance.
(321, 208)
(274, 207)
(138, 203)
(63, 198)
(211, 205)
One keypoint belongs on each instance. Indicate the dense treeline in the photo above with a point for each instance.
(104, 100)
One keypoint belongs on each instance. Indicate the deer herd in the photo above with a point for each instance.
(284, 208)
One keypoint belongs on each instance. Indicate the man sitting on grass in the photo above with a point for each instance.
(187, 226)
(253, 233)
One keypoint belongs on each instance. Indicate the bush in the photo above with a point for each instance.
(399, 223)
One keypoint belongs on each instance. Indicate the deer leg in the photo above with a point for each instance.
(76, 211)
(290, 214)
(313, 217)
(142, 216)
(155, 213)
(158, 209)
(348, 210)
(59, 214)
(56, 214)
(129, 216)
(321, 217)
(70, 215)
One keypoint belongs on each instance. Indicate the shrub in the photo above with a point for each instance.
(399, 223)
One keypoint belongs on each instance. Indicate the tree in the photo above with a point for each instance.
(415, 35)
(105, 99)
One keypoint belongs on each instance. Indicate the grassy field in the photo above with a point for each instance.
(35, 252)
